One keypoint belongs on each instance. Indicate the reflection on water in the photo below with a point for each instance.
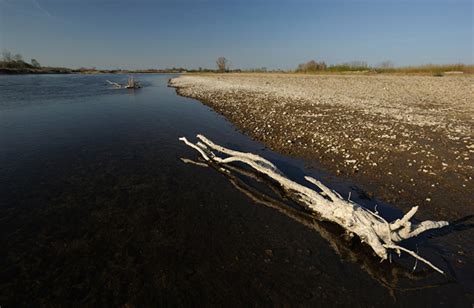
(96, 208)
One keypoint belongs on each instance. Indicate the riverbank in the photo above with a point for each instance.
(25, 71)
(406, 140)
(61, 70)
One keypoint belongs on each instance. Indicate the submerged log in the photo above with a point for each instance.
(382, 236)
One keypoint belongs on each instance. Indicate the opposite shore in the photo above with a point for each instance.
(63, 70)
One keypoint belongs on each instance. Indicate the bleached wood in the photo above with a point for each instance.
(114, 84)
(370, 227)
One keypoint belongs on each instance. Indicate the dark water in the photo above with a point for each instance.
(96, 208)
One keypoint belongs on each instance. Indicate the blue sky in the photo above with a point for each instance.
(275, 34)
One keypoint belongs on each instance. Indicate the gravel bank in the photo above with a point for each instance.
(405, 139)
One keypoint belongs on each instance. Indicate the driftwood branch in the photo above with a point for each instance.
(370, 227)
(388, 279)
(117, 85)
(132, 84)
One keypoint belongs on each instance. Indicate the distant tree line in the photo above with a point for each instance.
(311, 66)
(10, 60)
(382, 67)
(314, 66)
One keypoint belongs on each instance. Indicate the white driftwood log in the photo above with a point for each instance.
(381, 235)
(117, 85)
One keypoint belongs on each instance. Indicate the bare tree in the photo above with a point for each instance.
(311, 66)
(6, 56)
(35, 63)
(222, 64)
(386, 64)
(18, 58)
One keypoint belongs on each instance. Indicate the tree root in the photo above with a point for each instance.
(370, 227)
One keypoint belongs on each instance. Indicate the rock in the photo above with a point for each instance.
(269, 252)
